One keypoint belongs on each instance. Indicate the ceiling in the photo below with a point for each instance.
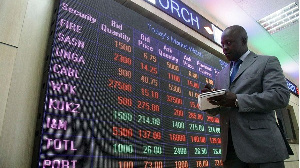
(283, 44)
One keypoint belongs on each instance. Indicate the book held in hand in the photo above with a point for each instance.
(204, 103)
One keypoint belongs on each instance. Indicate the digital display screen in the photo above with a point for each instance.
(292, 87)
(121, 92)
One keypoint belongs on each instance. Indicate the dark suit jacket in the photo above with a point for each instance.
(260, 87)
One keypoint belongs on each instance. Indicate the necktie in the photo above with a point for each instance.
(235, 69)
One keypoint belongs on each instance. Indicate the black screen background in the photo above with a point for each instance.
(85, 99)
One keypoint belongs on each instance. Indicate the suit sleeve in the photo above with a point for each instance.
(274, 94)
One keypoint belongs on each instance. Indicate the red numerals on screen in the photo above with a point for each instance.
(202, 163)
(194, 105)
(218, 163)
(198, 139)
(126, 132)
(125, 164)
(174, 99)
(181, 164)
(174, 77)
(123, 46)
(172, 66)
(119, 85)
(193, 75)
(193, 94)
(148, 106)
(178, 112)
(195, 116)
(214, 140)
(124, 101)
(149, 80)
(123, 59)
(148, 68)
(213, 119)
(193, 84)
(149, 93)
(209, 81)
(174, 88)
(150, 57)
(177, 137)
(153, 164)
(149, 134)
(124, 73)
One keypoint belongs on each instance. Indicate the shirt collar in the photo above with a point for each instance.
(243, 57)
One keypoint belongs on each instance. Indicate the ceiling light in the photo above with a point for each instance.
(281, 19)
(209, 31)
(217, 34)
(152, 1)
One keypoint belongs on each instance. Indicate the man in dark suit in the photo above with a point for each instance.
(255, 87)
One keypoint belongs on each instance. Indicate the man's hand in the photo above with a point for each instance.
(207, 88)
(226, 100)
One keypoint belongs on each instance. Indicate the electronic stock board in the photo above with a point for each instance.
(120, 91)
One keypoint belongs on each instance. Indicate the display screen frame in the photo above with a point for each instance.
(189, 17)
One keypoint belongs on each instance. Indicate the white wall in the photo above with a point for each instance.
(24, 30)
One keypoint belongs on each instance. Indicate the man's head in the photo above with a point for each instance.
(234, 42)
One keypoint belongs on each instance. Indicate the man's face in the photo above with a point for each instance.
(232, 45)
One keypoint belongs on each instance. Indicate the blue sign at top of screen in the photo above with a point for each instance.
(292, 87)
(189, 17)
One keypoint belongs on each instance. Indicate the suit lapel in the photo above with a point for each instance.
(246, 63)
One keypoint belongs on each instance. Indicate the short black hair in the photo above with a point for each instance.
(240, 31)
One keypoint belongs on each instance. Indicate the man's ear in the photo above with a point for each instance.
(244, 40)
